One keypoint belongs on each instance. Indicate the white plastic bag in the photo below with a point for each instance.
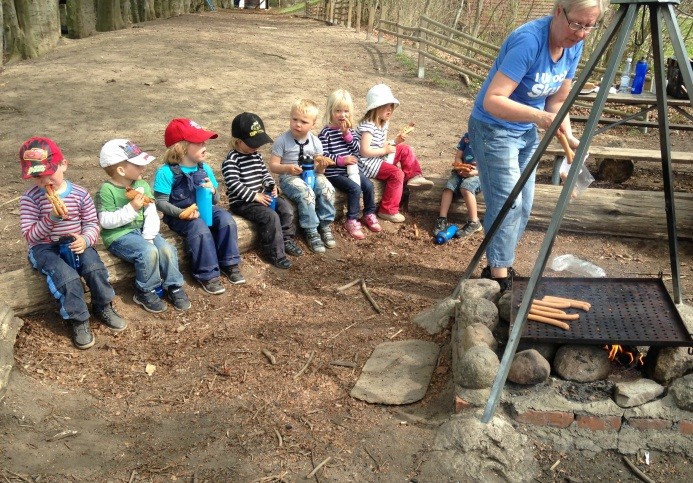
(576, 266)
(584, 177)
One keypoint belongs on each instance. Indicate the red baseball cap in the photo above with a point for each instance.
(39, 157)
(182, 129)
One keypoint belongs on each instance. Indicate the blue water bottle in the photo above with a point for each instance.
(66, 253)
(639, 79)
(203, 198)
(160, 291)
(308, 174)
(268, 188)
(446, 234)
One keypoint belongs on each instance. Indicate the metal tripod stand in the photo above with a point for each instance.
(619, 30)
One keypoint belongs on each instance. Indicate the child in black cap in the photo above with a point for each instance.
(248, 184)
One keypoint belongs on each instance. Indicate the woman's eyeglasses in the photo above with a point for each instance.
(578, 26)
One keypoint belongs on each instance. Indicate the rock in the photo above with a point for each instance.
(9, 327)
(582, 363)
(477, 368)
(672, 363)
(504, 306)
(436, 318)
(479, 288)
(548, 351)
(681, 391)
(465, 449)
(397, 372)
(478, 334)
(473, 311)
(529, 368)
(635, 393)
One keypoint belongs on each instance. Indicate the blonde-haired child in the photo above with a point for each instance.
(213, 249)
(340, 145)
(297, 147)
(372, 132)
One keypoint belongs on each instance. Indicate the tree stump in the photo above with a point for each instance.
(615, 170)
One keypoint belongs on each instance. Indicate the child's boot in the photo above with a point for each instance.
(441, 225)
(371, 222)
(327, 236)
(82, 336)
(353, 227)
(471, 227)
(314, 242)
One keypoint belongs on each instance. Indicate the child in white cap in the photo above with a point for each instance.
(130, 226)
(372, 132)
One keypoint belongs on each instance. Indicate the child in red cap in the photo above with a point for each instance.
(56, 212)
(213, 249)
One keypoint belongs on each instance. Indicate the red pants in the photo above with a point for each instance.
(395, 177)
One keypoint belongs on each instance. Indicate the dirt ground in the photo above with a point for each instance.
(213, 407)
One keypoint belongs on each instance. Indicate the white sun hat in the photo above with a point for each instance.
(379, 95)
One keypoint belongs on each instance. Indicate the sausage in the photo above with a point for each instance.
(577, 304)
(548, 309)
(407, 129)
(58, 205)
(549, 321)
(131, 194)
(188, 213)
(553, 315)
(555, 305)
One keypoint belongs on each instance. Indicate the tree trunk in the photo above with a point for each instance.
(109, 15)
(2, 37)
(31, 28)
(81, 18)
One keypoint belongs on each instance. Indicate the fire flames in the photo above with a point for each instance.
(626, 356)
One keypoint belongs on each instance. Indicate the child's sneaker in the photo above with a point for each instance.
(314, 242)
(394, 218)
(353, 227)
(418, 182)
(371, 222)
(327, 237)
(179, 298)
(213, 286)
(292, 249)
(82, 337)
(471, 227)
(441, 225)
(110, 318)
(150, 301)
(283, 263)
(233, 273)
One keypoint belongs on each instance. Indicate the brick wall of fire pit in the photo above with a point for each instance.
(572, 396)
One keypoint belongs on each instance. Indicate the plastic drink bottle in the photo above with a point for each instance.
(160, 291)
(203, 198)
(446, 234)
(625, 76)
(268, 189)
(308, 174)
(353, 173)
(66, 253)
(639, 79)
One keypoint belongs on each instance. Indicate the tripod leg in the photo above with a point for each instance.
(663, 115)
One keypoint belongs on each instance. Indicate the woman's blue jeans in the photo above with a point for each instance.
(155, 263)
(502, 154)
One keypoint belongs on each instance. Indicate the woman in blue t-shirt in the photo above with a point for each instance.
(525, 88)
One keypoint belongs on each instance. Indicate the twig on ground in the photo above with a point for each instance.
(269, 356)
(377, 463)
(396, 334)
(416, 231)
(132, 476)
(365, 291)
(303, 369)
(343, 364)
(344, 329)
(9, 201)
(17, 476)
(317, 468)
(280, 441)
(349, 285)
(637, 472)
(553, 466)
(63, 434)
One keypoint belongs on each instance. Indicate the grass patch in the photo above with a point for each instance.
(298, 7)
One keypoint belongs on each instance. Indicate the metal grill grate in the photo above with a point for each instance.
(624, 311)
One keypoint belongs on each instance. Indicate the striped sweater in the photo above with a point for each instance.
(370, 166)
(244, 175)
(38, 226)
(335, 146)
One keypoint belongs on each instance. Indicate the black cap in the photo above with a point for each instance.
(249, 128)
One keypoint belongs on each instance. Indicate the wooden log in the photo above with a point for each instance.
(598, 211)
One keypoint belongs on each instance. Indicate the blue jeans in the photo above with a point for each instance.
(501, 156)
(457, 183)
(64, 281)
(155, 263)
(315, 208)
(209, 247)
(353, 192)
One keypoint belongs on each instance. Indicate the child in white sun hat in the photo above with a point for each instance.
(375, 148)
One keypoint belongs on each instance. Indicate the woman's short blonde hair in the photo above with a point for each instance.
(176, 152)
(306, 107)
(339, 99)
(572, 5)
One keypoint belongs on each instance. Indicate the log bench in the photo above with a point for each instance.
(601, 152)
(637, 214)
